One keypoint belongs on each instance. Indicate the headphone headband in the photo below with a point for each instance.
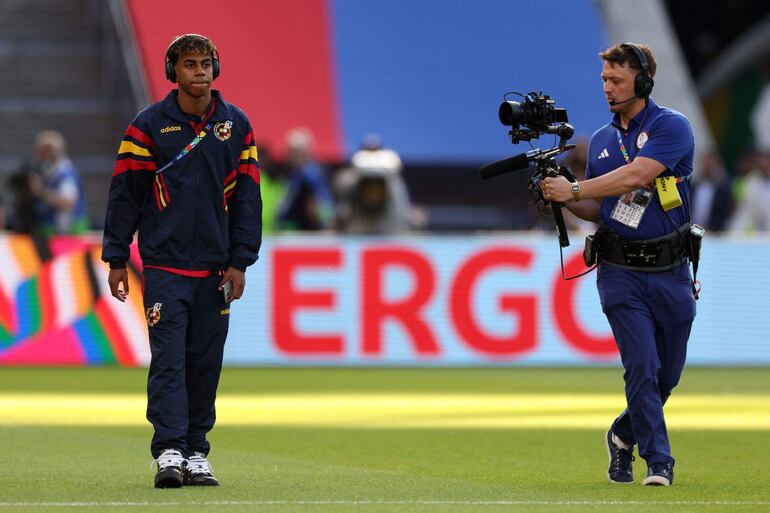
(639, 55)
(643, 82)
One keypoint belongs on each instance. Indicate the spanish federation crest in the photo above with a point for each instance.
(153, 314)
(641, 140)
(223, 130)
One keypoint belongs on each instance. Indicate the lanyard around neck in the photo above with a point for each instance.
(187, 149)
(623, 147)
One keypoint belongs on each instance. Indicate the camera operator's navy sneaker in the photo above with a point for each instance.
(198, 471)
(170, 467)
(659, 474)
(621, 469)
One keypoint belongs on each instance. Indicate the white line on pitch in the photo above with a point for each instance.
(386, 502)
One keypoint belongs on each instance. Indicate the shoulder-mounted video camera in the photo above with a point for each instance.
(536, 115)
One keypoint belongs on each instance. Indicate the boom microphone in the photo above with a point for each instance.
(515, 163)
(613, 102)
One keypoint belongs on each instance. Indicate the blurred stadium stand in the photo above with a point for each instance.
(344, 69)
(63, 69)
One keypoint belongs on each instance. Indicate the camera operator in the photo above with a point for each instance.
(637, 187)
(373, 199)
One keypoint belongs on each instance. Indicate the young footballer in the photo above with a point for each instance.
(187, 179)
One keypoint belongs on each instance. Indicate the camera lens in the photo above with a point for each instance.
(511, 113)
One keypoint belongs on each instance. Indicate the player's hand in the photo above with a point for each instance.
(237, 278)
(557, 189)
(116, 277)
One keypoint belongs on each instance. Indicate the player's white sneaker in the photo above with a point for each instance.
(170, 467)
(197, 472)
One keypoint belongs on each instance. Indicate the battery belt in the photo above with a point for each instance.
(650, 255)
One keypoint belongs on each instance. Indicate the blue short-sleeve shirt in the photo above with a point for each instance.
(657, 133)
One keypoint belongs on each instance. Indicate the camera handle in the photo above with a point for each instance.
(561, 228)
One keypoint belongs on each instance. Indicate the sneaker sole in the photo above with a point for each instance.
(656, 481)
(169, 483)
(609, 462)
(209, 483)
(168, 479)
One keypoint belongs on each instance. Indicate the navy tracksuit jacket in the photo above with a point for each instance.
(195, 218)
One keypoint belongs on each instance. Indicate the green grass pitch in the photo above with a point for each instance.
(384, 440)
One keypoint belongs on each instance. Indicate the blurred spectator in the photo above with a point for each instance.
(308, 204)
(272, 187)
(760, 120)
(55, 184)
(372, 194)
(752, 213)
(2, 212)
(711, 195)
(23, 215)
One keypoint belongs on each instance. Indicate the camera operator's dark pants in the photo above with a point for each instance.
(651, 315)
(187, 341)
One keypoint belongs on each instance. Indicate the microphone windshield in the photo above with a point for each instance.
(520, 161)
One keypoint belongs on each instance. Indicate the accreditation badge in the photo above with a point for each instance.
(631, 207)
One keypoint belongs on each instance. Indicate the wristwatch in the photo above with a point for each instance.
(575, 190)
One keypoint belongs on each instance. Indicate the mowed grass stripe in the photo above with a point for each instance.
(510, 411)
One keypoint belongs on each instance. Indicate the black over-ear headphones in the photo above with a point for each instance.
(643, 83)
(169, 66)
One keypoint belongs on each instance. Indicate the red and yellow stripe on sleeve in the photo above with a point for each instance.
(230, 181)
(136, 152)
(248, 163)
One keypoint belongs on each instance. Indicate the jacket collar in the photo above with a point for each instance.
(639, 118)
(222, 109)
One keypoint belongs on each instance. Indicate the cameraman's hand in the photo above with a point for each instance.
(557, 189)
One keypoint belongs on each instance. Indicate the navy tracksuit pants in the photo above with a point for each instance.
(188, 320)
(651, 315)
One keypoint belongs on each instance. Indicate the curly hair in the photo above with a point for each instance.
(190, 43)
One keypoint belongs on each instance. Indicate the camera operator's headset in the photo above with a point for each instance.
(169, 66)
(643, 82)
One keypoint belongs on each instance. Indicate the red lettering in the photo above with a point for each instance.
(375, 308)
(287, 299)
(523, 307)
(564, 310)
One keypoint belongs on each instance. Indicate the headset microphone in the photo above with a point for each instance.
(613, 102)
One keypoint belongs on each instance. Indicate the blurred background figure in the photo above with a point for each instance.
(308, 204)
(61, 207)
(752, 211)
(372, 196)
(272, 187)
(48, 193)
(712, 196)
(2, 212)
(23, 216)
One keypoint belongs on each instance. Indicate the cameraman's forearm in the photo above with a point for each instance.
(639, 173)
(587, 209)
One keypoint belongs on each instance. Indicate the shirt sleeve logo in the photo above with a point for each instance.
(223, 130)
(641, 140)
(153, 314)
